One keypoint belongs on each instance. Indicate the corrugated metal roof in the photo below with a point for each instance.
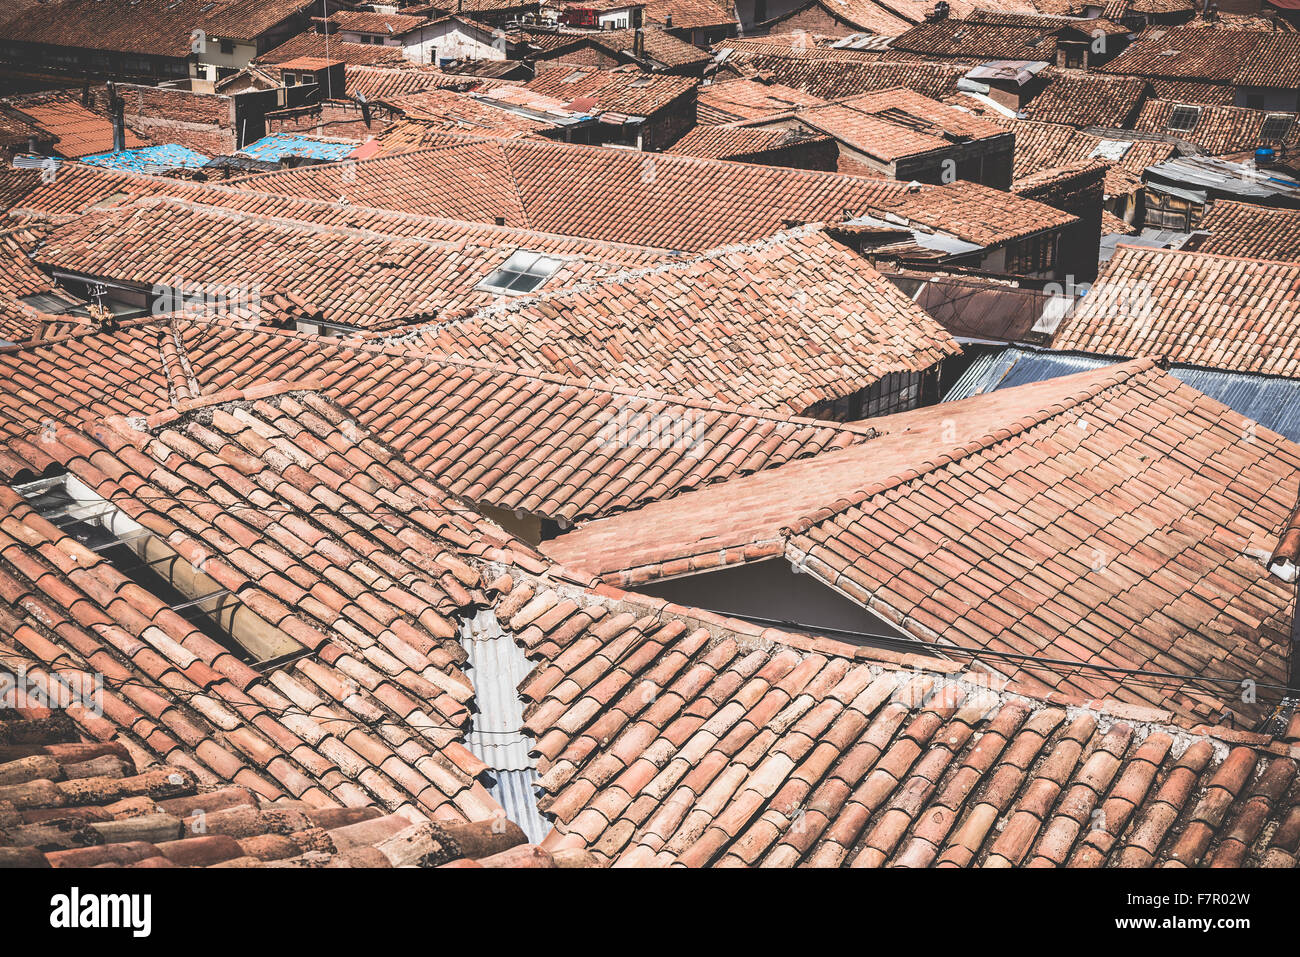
(277, 146)
(497, 667)
(1272, 401)
(150, 159)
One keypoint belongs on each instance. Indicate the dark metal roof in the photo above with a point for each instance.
(1272, 401)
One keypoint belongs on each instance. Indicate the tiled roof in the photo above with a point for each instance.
(78, 131)
(976, 213)
(781, 324)
(726, 101)
(687, 14)
(154, 27)
(544, 444)
(1191, 91)
(894, 123)
(82, 802)
(1274, 61)
(448, 110)
(830, 75)
(1218, 129)
(659, 46)
(357, 276)
(1041, 146)
(866, 15)
(663, 734)
(1254, 232)
(1188, 53)
(1219, 312)
(19, 277)
(967, 39)
(602, 193)
(16, 131)
(612, 91)
(366, 21)
(76, 187)
(1113, 517)
(1075, 98)
(739, 142)
(672, 738)
(315, 44)
(279, 498)
(385, 81)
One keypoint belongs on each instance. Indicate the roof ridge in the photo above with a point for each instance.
(723, 626)
(1292, 264)
(377, 347)
(1123, 371)
(623, 276)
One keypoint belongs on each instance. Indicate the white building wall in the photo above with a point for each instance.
(451, 41)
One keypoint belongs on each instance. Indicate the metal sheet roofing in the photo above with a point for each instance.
(1272, 401)
(150, 159)
(277, 146)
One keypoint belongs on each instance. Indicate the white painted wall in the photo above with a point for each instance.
(451, 41)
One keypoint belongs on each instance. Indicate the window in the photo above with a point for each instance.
(1183, 119)
(896, 392)
(522, 273)
(1037, 254)
(1276, 126)
(227, 46)
(149, 561)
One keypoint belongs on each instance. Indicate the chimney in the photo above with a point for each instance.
(668, 21)
(638, 43)
(116, 111)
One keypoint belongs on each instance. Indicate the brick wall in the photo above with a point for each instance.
(204, 122)
(814, 20)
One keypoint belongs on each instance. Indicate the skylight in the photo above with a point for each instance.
(1183, 119)
(1276, 126)
(150, 562)
(523, 272)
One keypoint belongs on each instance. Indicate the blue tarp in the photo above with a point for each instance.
(1272, 401)
(273, 148)
(150, 159)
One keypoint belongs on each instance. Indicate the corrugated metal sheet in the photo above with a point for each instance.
(150, 159)
(277, 146)
(1271, 401)
(497, 667)
(1012, 366)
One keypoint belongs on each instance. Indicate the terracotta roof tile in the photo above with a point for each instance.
(155, 27)
(613, 91)
(774, 750)
(1219, 312)
(1043, 146)
(742, 144)
(725, 101)
(313, 44)
(1076, 98)
(745, 315)
(977, 213)
(77, 131)
(1219, 129)
(542, 444)
(601, 193)
(1250, 231)
(1123, 471)
(314, 252)
(830, 74)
